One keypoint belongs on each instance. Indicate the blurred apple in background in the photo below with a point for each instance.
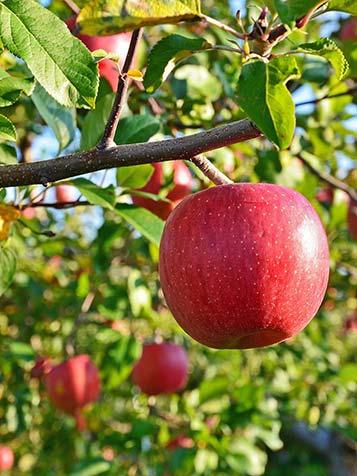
(6, 458)
(352, 219)
(349, 30)
(182, 186)
(162, 368)
(66, 193)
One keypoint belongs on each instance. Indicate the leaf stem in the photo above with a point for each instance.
(120, 98)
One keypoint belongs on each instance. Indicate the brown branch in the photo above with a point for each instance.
(210, 171)
(333, 181)
(70, 4)
(56, 205)
(183, 148)
(81, 319)
(120, 98)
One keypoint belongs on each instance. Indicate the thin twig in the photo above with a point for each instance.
(333, 181)
(57, 205)
(70, 4)
(222, 26)
(182, 148)
(351, 92)
(81, 318)
(210, 171)
(120, 98)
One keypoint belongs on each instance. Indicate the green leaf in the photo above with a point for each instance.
(8, 154)
(348, 6)
(135, 176)
(60, 119)
(8, 263)
(7, 129)
(327, 49)
(92, 467)
(21, 351)
(104, 17)
(94, 122)
(262, 94)
(60, 62)
(166, 54)
(103, 197)
(138, 128)
(290, 10)
(145, 222)
(11, 88)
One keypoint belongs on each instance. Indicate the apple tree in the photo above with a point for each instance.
(178, 226)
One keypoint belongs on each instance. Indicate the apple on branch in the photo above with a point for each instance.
(244, 265)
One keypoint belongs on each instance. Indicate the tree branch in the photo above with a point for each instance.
(184, 148)
(112, 124)
(333, 181)
(70, 4)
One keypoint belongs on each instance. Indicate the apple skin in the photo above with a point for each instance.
(6, 458)
(183, 184)
(180, 441)
(73, 384)
(162, 368)
(349, 30)
(352, 219)
(118, 44)
(65, 193)
(243, 265)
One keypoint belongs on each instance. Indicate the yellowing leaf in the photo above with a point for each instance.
(135, 74)
(8, 214)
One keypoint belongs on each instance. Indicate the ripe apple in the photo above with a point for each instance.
(182, 186)
(180, 441)
(162, 368)
(73, 384)
(244, 265)
(65, 193)
(6, 458)
(118, 44)
(349, 30)
(352, 219)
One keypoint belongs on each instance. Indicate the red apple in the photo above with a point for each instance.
(29, 213)
(118, 44)
(6, 458)
(73, 384)
(182, 186)
(162, 368)
(43, 366)
(66, 193)
(352, 219)
(325, 195)
(349, 30)
(180, 441)
(244, 265)
(350, 324)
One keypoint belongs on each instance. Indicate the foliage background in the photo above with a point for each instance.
(240, 408)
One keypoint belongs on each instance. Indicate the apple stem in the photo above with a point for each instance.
(107, 140)
(210, 171)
